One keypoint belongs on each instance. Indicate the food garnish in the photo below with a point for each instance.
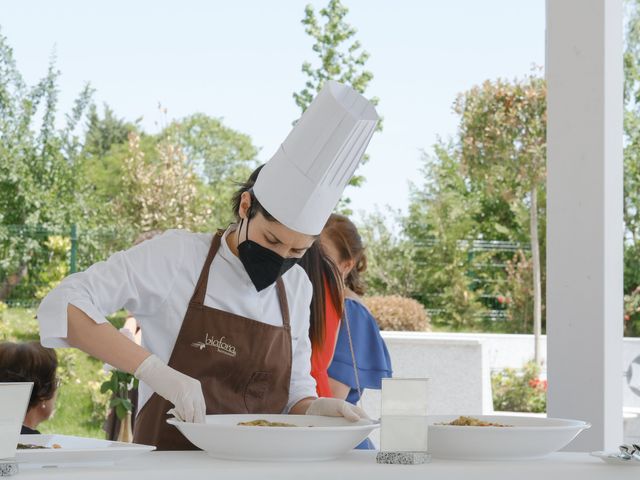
(463, 421)
(31, 446)
(265, 423)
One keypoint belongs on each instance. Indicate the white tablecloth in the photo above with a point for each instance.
(357, 465)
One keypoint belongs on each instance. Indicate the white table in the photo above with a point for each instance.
(357, 465)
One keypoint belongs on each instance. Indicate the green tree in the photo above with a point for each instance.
(440, 222)
(104, 150)
(632, 123)
(103, 133)
(122, 180)
(631, 61)
(100, 181)
(221, 156)
(160, 191)
(502, 135)
(390, 256)
(340, 57)
(38, 167)
(102, 173)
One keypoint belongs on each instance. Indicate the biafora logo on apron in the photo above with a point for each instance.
(218, 343)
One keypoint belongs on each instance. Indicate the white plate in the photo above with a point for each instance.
(313, 439)
(528, 437)
(613, 459)
(76, 450)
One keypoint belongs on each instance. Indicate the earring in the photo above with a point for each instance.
(44, 404)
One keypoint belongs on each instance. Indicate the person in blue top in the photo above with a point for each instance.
(361, 359)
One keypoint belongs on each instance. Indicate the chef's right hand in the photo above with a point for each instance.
(180, 389)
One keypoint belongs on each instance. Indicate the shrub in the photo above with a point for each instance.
(397, 313)
(519, 390)
(57, 266)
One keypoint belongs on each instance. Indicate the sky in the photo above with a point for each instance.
(241, 60)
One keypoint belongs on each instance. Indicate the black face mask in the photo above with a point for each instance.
(264, 266)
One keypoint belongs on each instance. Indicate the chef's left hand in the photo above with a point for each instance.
(334, 407)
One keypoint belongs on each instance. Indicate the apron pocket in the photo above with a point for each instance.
(256, 392)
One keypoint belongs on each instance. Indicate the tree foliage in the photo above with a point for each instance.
(38, 166)
(101, 174)
(340, 56)
(502, 137)
(631, 60)
(390, 266)
(161, 190)
(220, 155)
(440, 220)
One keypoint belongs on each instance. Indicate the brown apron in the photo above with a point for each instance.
(244, 365)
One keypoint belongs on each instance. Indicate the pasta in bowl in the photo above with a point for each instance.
(499, 437)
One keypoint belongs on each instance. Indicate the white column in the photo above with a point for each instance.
(584, 229)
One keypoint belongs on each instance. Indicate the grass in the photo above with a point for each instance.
(80, 407)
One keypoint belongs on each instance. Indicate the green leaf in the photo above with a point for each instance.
(126, 403)
(502, 229)
(121, 412)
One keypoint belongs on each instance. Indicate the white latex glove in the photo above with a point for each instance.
(183, 391)
(334, 407)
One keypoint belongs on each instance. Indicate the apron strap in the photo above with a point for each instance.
(201, 286)
(284, 304)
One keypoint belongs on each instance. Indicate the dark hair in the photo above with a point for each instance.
(320, 268)
(344, 235)
(30, 362)
(256, 206)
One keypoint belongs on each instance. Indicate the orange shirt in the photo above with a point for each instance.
(321, 357)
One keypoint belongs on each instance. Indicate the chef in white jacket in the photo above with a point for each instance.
(224, 316)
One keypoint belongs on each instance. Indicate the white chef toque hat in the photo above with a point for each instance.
(302, 183)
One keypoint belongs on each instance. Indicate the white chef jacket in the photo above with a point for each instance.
(155, 282)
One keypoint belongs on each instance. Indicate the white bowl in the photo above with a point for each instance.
(528, 437)
(314, 438)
